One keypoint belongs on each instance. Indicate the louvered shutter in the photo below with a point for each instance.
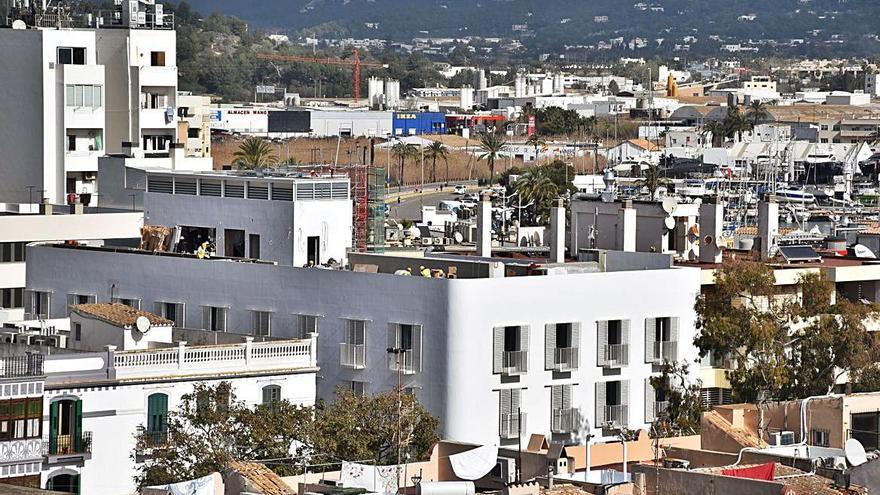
(549, 346)
(524, 345)
(221, 319)
(29, 301)
(673, 336)
(650, 398)
(206, 318)
(556, 397)
(417, 347)
(504, 402)
(576, 344)
(566, 396)
(515, 400)
(78, 425)
(600, 403)
(497, 349)
(624, 339)
(650, 333)
(601, 342)
(624, 401)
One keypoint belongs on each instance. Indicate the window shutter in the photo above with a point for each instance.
(77, 482)
(206, 318)
(601, 342)
(504, 402)
(221, 319)
(549, 346)
(650, 398)
(624, 401)
(624, 339)
(393, 335)
(497, 349)
(29, 301)
(556, 397)
(600, 403)
(77, 432)
(515, 400)
(71, 300)
(417, 347)
(673, 336)
(53, 427)
(650, 334)
(566, 396)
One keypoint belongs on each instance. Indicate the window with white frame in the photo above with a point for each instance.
(37, 304)
(820, 437)
(405, 347)
(84, 95)
(352, 352)
(511, 350)
(306, 325)
(75, 299)
(130, 302)
(262, 322)
(358, 388)
(173, 311)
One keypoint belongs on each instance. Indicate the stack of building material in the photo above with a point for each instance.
(153, 237)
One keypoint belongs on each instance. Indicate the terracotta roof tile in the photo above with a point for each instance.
(119, 314)
(262, 478)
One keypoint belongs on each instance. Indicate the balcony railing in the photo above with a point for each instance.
(512, 425)
(68, 444)
(20, 366)
(617, 414)
(616, 355)
(515, 362)
(566, 358)
(406, 362)
(665, 351)
(565, 420)
(352, 356)
(151, 440)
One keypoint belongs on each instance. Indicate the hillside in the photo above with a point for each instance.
(551, 24)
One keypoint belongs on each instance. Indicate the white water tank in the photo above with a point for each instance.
(445, 488)
(467, 98)
(392, 93)
(375, 91)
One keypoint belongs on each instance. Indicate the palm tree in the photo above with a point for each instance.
(757, 110)
(635, 170)
(652, 180)
(255, 154)
(402, 152)
(536, 186)
(536, 142)
(492, 145)
(436, 151)
(718, 131)
(736, 122)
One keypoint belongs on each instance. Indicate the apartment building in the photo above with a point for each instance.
(21, 416)
(21, 224)
(98, 402)
(194, 123)
(80, 89)
(564, 349)
(286, 218)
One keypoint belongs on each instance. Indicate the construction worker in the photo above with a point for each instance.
(424, 272)
(202, 251)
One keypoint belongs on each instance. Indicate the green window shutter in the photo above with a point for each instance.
(53, 427)
(50, 484)
(77, 432)
(77, 483)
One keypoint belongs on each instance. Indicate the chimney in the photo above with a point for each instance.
(557, 232)
(178, 155)
(484, 227)
(711, 222)
(768, 224)
(626, 227)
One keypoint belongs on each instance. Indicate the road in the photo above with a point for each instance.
(410, 206)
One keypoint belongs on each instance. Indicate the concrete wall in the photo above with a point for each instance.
(693, 483)
(457, 318)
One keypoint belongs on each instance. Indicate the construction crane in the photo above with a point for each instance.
(356, 62)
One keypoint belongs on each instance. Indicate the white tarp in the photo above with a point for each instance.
(200, 486)
(474, 464)
(376, 479)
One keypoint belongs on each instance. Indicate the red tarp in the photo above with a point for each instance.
(762, 472)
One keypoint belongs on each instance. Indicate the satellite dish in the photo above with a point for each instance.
(855, 452)
(669, 222)
(458, 237)
(142, 323)
(669, 205)
(18, 24)
(708, 240)
(862, 251)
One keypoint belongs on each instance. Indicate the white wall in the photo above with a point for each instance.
(331, 220)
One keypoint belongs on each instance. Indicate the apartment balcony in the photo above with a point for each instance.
(63, 448)
(515, 362)
(352, 356)
(512, 425)
(406, 362)
(664, 351)
(81, 161)
(155, 118)
(164, 76)
(565, 420)
(150, 441)
(566, 359)
(91, 117)
(615, 355)
(26, 449)
(21, 366)
(617, 414)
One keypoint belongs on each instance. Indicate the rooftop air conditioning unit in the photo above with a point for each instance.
(776, 439)
(504, 470)
(786, 438)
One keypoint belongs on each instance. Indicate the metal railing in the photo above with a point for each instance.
(566, 358)
(512, 425)
(352, 356)
(617, 414)
(565, 420)
(616, 355)
(20, 366)
(406, 362)
(665, 351)
(515, 362)
(68, 444)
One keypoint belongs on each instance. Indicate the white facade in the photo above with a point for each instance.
(872, 85)
(112, 390)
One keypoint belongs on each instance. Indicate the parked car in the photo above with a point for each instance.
(459, 189)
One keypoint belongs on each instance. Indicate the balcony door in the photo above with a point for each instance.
(65, 427)
(157, 417)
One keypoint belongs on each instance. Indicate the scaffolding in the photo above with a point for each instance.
(376, 210)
